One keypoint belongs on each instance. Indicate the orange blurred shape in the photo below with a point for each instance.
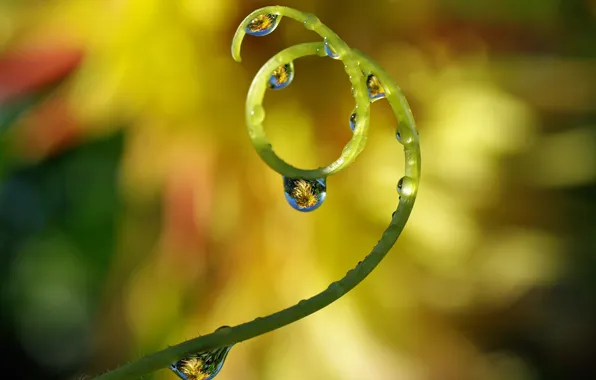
(187, 203)
(26, 71)
(49, 129)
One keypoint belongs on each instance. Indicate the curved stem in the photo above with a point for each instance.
(260, 326)
(255, 113)
(408, 137)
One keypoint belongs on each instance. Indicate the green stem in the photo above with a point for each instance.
(255, 113)
(260, 326)
(355, 62)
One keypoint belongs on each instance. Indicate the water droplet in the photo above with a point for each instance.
(311, 22)
(303, 194)
(375, 88)
(282, 76)
(330, 50)
(262, 25)
(336, 288)
(405, 186)
(406, 139)
(353, 120)
(257, 115)
(204, 365)
(222, 328)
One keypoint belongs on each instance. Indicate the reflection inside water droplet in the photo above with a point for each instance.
(405, 186)
(406, 138)
(262, 25)
(353, 120)
(303, 194)
(375, 88)
(202, 366)
(330, 50)
(282, 76)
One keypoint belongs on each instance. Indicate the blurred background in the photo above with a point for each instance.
(135, 213)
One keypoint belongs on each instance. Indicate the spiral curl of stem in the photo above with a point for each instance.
(359, 67)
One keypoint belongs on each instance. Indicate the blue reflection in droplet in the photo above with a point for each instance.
(330, 51)
(282, 76)
(262, 25)
(303, 194)
(205, 365)
(375, 88)
(353, 121)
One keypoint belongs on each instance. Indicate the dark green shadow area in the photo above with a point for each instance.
(58, 224)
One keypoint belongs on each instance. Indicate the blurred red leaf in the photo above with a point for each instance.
(49, 129)
(30, 70)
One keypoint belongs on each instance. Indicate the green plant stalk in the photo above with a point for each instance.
(255, 113)
(260, 326)
(355, 62)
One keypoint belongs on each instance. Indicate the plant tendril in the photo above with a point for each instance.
(370, 83)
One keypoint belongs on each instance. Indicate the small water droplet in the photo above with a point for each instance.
(257, 115)
(203, 365)
(353, 120)
(282, 76)
(336, 287)
(223, 328)
(403, 139)
(330, 50)
(375, 88)
(405, 186)
(262, 25)
(303, 194)
(311, 22)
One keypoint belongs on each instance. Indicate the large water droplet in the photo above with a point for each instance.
(403, 139)
(262, 25)
(204, 365)
(375, 88)
(330, 50)
(282, 76)
(405, 186)
(303, 194)
(353, 120)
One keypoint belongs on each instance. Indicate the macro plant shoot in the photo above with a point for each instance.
(217, 190)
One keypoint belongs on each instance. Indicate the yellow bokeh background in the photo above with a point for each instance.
(205, 237)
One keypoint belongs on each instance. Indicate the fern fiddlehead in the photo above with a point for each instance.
(203, 357)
